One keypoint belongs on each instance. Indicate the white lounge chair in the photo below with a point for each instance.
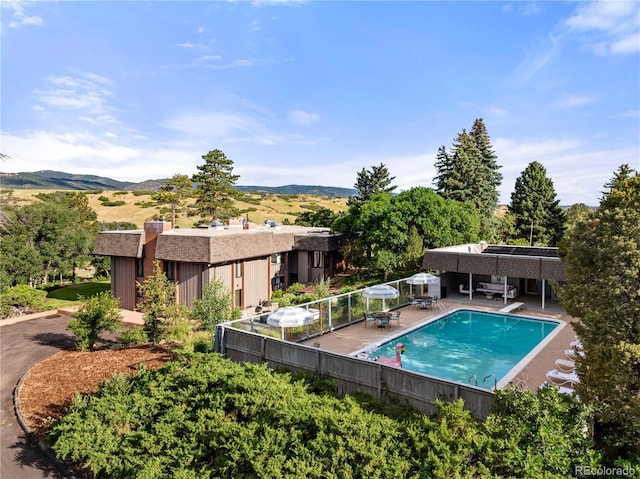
(577, 344)
(558, 378)
(573, 354)
(561, 389)
(566, 365)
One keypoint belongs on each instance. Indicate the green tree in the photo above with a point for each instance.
(215, 192)
(382, 227)
(48, 238)
(216, 305)
(321, 217)
(576, 213)
(97, 314)
(602, 288)
(158, 305)
(469, 173)
(174, 192)
(370, 183)
(538, 215)
(624, 172)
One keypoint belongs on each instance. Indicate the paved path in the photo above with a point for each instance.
(22, 345)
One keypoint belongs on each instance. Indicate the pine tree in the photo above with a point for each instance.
(538, 215)
(623, 173)
(215, 192)
(369, 183)
(491, 178)
(158, 305)
(469, 173)
(602, 288)
(174, 191)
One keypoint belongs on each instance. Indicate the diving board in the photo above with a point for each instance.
(511, 307)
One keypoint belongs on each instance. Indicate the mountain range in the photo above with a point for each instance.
(58, 180)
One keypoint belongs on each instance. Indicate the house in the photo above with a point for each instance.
(251, 260)
(497, 271)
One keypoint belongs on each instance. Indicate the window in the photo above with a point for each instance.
(318, 259)
(276, 258)
(140, 267)
(238, 270)
(170, 270)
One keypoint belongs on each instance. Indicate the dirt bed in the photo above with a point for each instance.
(48, 387)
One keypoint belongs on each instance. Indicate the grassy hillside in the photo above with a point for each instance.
(138, 208)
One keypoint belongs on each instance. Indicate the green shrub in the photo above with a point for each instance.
(22, 299)
(113, 203)
(98, 314)
(133, 336)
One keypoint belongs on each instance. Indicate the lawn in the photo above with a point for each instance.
(68, 295)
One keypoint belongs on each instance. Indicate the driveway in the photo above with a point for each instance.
(22, 345)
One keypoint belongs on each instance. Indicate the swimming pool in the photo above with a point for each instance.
(468, 346)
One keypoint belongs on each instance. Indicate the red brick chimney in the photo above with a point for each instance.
(151, 231)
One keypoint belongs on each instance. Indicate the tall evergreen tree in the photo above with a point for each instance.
(215, 192)
(538, 215)
(174, 191)
(602, 288)
(624, 172)
(469, 172)
(371, 182)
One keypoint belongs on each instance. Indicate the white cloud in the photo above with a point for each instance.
(186, 45)
(89, 154)
(19, 17)
(530, 8)
(202, 30)
(608, 27)
(302, 118)
(535, 61)
(578, 174)
(232, 127)
(574, 101)
(70, 92)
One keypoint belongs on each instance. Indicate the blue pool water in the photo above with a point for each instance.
(467, 342)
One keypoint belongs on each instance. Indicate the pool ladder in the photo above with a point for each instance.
(484, 380)
(495, 381)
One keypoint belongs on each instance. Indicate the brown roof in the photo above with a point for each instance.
(219, 245)
(475, 259)
(120, 243)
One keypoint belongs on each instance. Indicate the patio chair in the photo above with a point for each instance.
(426, 304)
(558, 378)
(368, 319)
(395, 316)
(565, 365)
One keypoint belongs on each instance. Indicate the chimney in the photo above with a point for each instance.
(151, 231)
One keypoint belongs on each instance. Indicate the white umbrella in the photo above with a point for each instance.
(422, 279)
(380, 291)
(289, 317)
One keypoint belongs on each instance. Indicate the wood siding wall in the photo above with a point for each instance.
(303, 267)
(256, 281)
(123, 281)
(189, 282)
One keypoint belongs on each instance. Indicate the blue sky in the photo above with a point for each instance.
(312, 92)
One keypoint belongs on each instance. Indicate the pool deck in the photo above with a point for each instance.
(353, 338)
